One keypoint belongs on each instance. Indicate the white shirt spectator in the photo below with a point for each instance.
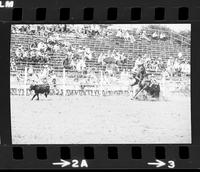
(100, 58)
(56, 47)
(180, 54)
(33, 27)
(25, 54)
(185, 68)
(176, 64)
(155, 35)
(96, 27)
(116, 56)
(144, 36)
(119, 33)
(138, 61)
(53, 76)
(132, 39)
(169, 62)
(88, 55)
(38, 54)
(80, 65)
(73, 64)
(126, 35)
(51, 39)
(30, 70)
(42, 45)
(32, 53)
(138, 31)
(122, 57)
(18, 52)
(162, 36)
(44, 73)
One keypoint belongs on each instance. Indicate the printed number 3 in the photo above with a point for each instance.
(171, 164)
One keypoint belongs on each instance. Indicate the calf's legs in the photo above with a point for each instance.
(37, 96)
(33, 96)
(45, 94)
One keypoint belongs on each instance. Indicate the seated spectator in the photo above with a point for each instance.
(41, 46)
(88, 53)
(116, 56)
(67, 62)
(18, 52)
(123, 58)
(138, 60)
(119, 33)
(45, 72)
(146, 58)
(163, 36)
(56, 48)
(180, 54)
(30, 70)
(144, 36)
(170, 61)
(177, 67)
(101, 58)
(132, 39)
(109, 69)
(81, 65)
(33, 46)
(73, 64)
(13, 66)
(33, 28)
(126, 36)
(25, 53)
(155, 36)
(19, 76)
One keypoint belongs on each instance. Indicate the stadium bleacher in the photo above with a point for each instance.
(155, 48)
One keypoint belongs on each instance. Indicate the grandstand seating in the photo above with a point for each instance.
(156, 48)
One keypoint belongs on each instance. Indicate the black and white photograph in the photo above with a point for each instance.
(100, 83)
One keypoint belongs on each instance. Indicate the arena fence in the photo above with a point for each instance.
(178, 85)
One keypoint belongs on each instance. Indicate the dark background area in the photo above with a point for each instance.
(45, 11)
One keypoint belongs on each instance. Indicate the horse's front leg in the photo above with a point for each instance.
(140, 90)
(132, 86)
(137, 93)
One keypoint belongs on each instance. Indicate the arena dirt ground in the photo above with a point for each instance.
(95, 120)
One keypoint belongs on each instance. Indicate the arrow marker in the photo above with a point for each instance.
(63, 163)
(158, 163)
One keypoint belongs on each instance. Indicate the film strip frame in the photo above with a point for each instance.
(101, 156)
(93, 11)
(99, 12)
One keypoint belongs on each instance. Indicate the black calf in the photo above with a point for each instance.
(40, 89)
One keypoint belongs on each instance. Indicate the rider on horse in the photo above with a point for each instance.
(150, 85)
(138, 74)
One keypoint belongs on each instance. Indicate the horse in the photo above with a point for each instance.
(151, 87)
(40, 89)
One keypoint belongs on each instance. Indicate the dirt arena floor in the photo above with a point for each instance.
(95, 120)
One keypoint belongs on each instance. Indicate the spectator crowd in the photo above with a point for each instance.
(51, 40)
